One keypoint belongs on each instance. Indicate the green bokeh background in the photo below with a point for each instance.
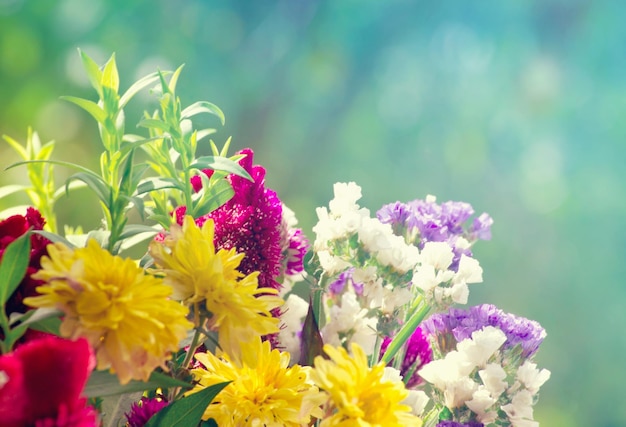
(516, 107)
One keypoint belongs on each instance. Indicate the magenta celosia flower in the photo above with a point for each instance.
(297, 247)
(41, 383)
(142, 411)
(418, 353)
(252, 222)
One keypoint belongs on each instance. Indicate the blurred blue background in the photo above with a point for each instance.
(515, 107)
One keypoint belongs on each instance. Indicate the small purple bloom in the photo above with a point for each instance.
(396, 214)
(528, 334)
(432, 222)
(481, 227)
(343, 279)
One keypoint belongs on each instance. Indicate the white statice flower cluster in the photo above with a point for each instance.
(376, 294)
(293, 312)
(440, 285)
(345, 218)
(348, 322)
(473, 378)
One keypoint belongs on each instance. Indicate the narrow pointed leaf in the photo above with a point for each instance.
(7, 190)
(55, 238)
(187, 411)
(103, 383)
(221, 163)
(55, 162)
(110, 76)
(138, 86)
(13, 266)
(94, 182)
(93, 71)
(152, 184)
(203, 107)
(213, 197)
(154, 124)
(74, 185)
(134, 229)
(174, 79)
(16, 146)
(89, 106)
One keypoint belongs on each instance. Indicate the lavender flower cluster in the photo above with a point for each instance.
(422, 221)
(519, 331)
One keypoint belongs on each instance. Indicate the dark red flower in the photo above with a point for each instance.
(41, 383)
(10, 229)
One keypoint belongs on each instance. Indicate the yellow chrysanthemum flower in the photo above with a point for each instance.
(359, 395)
(264, 390)
(240, 310)
(126, 314)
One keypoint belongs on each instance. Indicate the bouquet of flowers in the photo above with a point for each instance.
(231, 317)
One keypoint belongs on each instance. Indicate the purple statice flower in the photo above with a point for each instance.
(449, 423)
(140, 412)
(396, 214)
(417, 354)
(528, 334)
(431, 222)
(436, 223)
(481, 227)
(344, 278)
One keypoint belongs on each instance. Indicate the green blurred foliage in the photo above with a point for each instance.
(514, 107)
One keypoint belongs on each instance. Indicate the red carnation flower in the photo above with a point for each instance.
(11, 229)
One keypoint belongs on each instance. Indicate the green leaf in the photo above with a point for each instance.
(154, 124)
(7, 190)
(46, 151)
(126, 181)
(110, 77)
(204, 133)
(95, 183)
(89, 106)
(14, 334)
(203, 107)
(51, 325)
(74, 185)
(213, 197)
(222, 164)
(55, 238)
(138, 86)
(134, 229)
(13, 266)
(16, 146)
(93, 72)
(54, 162)
(171, 88)
(311, 342)
(104, 383)
(153, 184)
(187, 411)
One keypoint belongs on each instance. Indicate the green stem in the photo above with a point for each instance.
(192, 348)
(405, 333)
